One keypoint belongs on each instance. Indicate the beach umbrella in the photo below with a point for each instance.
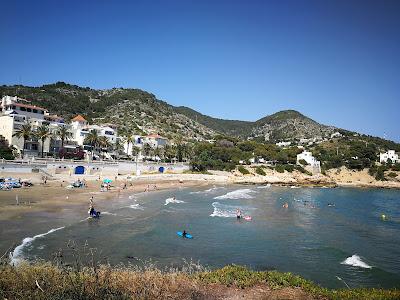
(107, 180)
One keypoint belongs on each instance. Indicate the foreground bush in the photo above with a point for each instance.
(47, 281)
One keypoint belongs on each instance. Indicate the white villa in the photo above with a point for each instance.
(15, 111)
(390, 154)
(310, 159)
(80, 128)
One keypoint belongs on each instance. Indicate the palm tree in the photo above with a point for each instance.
(104, 143)
(129, 139)
(43, 133)
(25, 132)
(92, 139)
(63, 134)
(147, 149)
(118, 147)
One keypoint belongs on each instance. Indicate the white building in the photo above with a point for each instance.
(80, 128)
(390, 154)
(137, 141)
(310, 159)
(16, 112)
(283, 144)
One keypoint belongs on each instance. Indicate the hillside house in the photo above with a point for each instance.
(389, 155)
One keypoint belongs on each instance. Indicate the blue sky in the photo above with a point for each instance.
(337, 62)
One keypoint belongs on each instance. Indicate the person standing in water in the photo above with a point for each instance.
(238, 214)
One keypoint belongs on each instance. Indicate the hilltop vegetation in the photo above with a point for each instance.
(140, 111)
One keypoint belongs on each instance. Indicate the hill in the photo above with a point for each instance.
(137, 111)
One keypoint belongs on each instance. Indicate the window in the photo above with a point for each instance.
(29, 110)
(22, 109)
(14, 107)
(35, 111)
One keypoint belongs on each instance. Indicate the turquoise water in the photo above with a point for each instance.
(309, 238)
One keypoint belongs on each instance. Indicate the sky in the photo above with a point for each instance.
(337, 62)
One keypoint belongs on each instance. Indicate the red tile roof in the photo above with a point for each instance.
(29, 106)
(79, 118)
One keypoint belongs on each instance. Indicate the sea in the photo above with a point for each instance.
(332, 236)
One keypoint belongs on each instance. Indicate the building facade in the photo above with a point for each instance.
(389, 155)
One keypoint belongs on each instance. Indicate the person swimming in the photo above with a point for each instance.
(286, 205)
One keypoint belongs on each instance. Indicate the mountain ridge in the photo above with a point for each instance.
(135, 110)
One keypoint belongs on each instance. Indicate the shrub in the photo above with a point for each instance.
(303, 162)
(392, 175)
(396, 167)
(380, 173)
(280, 168)
(243, 170)
(302, 170)
(260, 171)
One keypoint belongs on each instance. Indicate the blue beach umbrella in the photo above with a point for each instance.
(107, 180)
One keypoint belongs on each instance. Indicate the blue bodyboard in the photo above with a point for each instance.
(188, 236)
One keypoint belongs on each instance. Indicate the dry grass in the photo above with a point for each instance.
(86, 276)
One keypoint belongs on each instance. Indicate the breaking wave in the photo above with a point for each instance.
(172, 200)
(16, 256)
(228, 211)
(238, 194)
(264, 186)
(136, 206)
(213, 189)
(355, 261)
(108, 213)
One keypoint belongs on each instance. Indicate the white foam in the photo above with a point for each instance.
(355, 261)
(227, 211)
(136, 206)
(172, 200)
(108, 213)
(16, 256)
(238, 194)
(210, 190)
(264, 186)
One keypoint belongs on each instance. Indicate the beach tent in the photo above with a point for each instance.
(107, 180)
(161, 169)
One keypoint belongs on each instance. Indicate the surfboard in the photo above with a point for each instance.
(188, 236)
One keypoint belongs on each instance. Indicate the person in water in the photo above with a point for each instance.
(92, 212)
(238, 214)
(184, 233)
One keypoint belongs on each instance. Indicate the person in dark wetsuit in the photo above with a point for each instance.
(184, 233)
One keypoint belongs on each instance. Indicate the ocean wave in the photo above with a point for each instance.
(210, 190)
(108, 213)
(16, 256)
(136, 206)
(228, 211)
(172, 200)
(267, 186)
(355, 261)
(238, 194)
